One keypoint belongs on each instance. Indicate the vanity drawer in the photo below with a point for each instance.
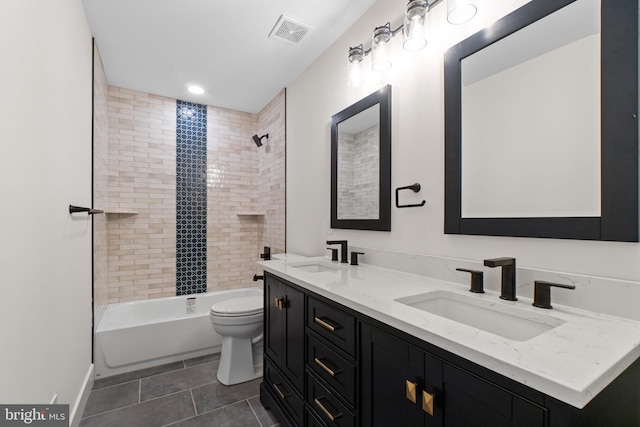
(313, 421)
(337, 371)
(333, 324)
(328, 407)
(284, 393)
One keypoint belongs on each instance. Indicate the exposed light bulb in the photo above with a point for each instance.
(380, 49)
(413, 30)
(355, 74)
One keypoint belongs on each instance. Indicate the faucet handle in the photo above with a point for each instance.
(477, 281)
(334, 254)
(266, 255)
(354, 257)
(542, 293)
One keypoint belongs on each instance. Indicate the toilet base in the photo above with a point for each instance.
(240, 361)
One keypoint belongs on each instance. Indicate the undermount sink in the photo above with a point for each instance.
(316, 266)
(495, 317)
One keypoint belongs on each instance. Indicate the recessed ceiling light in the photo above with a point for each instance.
(196, 90)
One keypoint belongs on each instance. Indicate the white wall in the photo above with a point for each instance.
(45, 164)
(418, 156)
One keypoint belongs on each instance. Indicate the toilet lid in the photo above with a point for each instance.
(242, 306)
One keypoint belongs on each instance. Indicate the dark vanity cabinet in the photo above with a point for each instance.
(327, 365)
(284, 346)
(404, 385)
(331, 364)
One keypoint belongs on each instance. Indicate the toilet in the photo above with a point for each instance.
(239, 322)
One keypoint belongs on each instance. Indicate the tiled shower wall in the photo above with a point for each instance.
(245, 194)
(232, 171)
(271, 174)
(142, 196)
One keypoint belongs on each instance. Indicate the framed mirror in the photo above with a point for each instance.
(541, 129)
(361, 164)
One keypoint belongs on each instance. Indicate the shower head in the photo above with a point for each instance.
(258, 140)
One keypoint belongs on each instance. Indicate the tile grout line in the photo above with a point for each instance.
(134, 404)
(254, 412)
(139, 390)
(140, 379)
(157, 375)
(193, 401)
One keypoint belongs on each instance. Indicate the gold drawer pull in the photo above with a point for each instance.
(326, 412)
(427, 402)
(277, 389)
(411, 391)
(325, 325)
(279, 303)
(325, 367)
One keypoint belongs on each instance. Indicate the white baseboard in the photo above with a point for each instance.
(81, 401)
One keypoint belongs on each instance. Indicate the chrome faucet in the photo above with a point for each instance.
(508, 284)
(344, 257)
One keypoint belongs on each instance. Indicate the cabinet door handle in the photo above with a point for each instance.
(280, 393)
(325, 367)
(325, 410)
(411, 391)
(279, 303)
(427, 402)
(325, 324)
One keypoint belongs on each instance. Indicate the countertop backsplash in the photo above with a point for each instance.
(600, 294)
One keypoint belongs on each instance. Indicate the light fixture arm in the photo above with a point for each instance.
(397, 30)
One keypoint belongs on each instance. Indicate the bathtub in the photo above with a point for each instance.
(141, 334)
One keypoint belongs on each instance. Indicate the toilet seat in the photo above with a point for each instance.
(237, 307)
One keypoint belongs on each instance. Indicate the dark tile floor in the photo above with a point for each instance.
(181, 394)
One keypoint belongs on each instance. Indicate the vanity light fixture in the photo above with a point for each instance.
(413, 31)
(414, 25)
(380, 48)
(355, 76)
(461, 11)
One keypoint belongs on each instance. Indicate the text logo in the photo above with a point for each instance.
(34, 415)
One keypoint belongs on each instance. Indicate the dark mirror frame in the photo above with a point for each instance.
(619, 124)
(383, 223)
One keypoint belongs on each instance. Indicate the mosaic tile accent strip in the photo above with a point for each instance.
(191, 198)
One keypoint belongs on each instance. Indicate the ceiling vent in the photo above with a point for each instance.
(289, 30)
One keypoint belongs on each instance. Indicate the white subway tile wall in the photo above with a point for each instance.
(271, 174)
(142, 178)
(232, 169)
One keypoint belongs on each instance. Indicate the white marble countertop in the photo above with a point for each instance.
(573, 362)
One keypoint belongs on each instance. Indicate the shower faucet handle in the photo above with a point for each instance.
(266, 255)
